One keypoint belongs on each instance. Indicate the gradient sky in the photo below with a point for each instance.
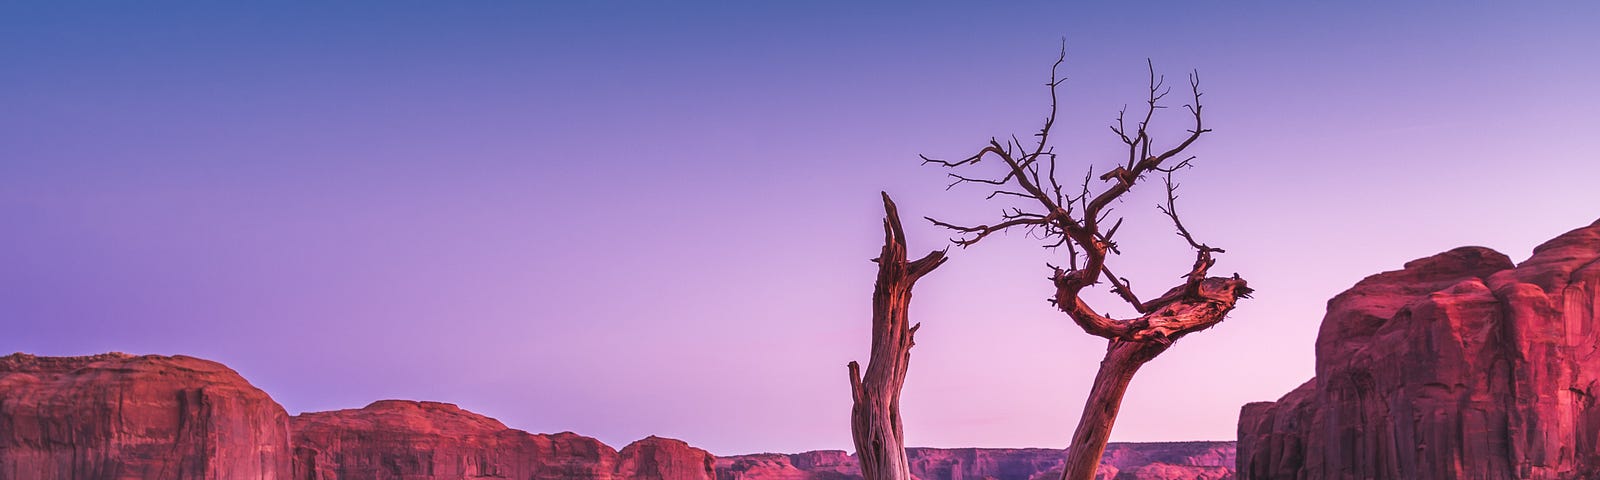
(635, 218)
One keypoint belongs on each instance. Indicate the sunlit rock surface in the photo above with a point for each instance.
(406, 440)
(123, 417)
(396, 439)
(1459, 365)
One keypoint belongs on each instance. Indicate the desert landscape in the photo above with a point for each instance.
(120, 416)
(820, 240)
(1459, 365)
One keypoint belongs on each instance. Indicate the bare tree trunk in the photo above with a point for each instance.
(1123, 359)
(875, 416)
(1074, 218)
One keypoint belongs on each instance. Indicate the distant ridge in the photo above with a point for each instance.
(116, 415)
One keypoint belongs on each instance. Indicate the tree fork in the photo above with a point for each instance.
(1075, 218)
(875, 415)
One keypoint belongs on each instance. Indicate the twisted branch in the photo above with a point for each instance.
(1077, 221)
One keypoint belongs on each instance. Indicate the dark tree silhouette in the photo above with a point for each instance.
(1077, 218)
(875, 416)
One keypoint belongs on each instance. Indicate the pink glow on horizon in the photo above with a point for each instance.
(661, 226)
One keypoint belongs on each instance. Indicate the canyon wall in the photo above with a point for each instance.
(121, 417)
(1458, 366)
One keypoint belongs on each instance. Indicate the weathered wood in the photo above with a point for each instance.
(1204, 308)
(1076, 219)
(875, 414)
(1123, 359)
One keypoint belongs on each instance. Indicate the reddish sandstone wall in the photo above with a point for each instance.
(1460, 365)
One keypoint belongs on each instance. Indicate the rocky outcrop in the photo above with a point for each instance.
(814, 465)
(117, 416)
(965, 463)
(656, 458)
(1171, 461)
(1122, 461)
(406, 440)
(1459, 365)
(396, 439)
(123, 417)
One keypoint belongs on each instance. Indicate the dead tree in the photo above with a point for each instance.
(1077, 218)
(875, 416)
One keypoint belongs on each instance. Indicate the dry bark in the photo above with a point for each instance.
(1077, 219)
(1123, 359)
(875, 417)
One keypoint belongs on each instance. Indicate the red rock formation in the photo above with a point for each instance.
(770, 466)
(815, 465)
(1460, 365)
(117, 416)
(122, 417)
(1171, 461)
(656, 458)
(1122, 461)
(977, 463)
(1272, 435)
(406, 440)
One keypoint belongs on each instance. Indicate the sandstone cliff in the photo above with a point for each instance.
(406, 440)
(1459, 365)
(117, 416)
(656, 458)
(395, 439)
(123, 417)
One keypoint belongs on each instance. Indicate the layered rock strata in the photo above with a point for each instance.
(123, 417)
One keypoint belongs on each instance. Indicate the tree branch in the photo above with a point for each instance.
(875, 413)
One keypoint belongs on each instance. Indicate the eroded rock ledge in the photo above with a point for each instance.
(1459, 365)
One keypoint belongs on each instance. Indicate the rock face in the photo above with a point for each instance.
(122, 417)
(814, 465)
(1459, 365)
(656, 458)
(117, 416)
(1171, 461)
(406, 440)
(395, 439)
(1122, 461)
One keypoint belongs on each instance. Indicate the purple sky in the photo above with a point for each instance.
(626, 219)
